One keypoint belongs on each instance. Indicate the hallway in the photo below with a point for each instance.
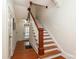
(51, 29)
(22, 53)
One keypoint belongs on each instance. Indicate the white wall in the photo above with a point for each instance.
(21, 13)
(61, 23)
(41, 2)
(8, 13)
(11, 16)
(5, 32)
(20, 29)
(33, 10)
(21, 8)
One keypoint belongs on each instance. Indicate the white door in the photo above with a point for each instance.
(10, 36)
(20, 29)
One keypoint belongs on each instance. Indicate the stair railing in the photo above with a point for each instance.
(36, 34)
(31, 3)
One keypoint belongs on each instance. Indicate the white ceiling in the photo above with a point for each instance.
(20, 7)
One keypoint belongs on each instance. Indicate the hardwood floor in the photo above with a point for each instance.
(22, 53)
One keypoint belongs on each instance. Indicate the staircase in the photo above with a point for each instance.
(42, 42)
(51, 51)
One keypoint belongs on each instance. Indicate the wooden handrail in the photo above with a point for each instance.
(31, 3)
(40, 34)
(38, 25)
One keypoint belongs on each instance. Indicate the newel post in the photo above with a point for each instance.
(41, 44)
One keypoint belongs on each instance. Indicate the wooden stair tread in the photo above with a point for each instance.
(51, 53)
(45, 43)
(45, 32)
(59, 57)
(44, 38)
(50, 47)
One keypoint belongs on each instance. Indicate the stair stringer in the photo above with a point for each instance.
(66, 54)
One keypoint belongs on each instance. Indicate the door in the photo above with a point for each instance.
(10, 37)
(20, 29)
